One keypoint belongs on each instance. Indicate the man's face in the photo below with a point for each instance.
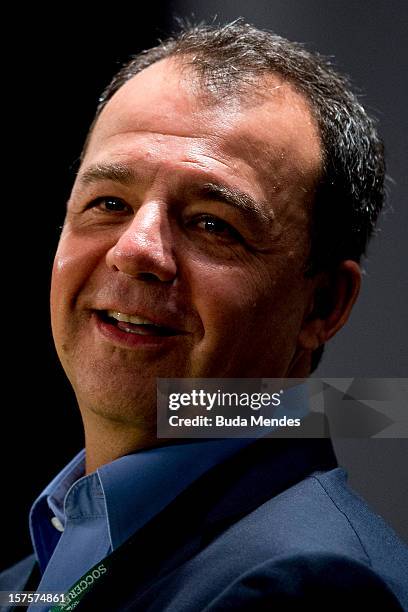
(185, 242)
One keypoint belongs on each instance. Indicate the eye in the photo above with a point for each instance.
(110, 204)
(218, 227)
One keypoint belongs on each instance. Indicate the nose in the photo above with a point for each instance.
(144, 249)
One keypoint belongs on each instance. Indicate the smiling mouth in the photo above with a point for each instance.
(133, 324)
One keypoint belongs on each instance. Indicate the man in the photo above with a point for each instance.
(228, 187)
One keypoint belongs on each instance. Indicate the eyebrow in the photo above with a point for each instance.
(123, 174)
(118, 173)
(236, 198)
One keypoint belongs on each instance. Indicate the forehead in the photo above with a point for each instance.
(162, 113)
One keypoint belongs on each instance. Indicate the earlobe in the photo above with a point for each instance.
(332, 301)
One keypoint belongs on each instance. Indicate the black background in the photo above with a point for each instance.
(57, 62)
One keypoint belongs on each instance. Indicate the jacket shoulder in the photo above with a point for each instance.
(322, 581)
(316, 543)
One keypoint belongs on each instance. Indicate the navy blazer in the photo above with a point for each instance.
(274, 527)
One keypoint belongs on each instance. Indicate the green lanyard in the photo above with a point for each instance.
(87, 582)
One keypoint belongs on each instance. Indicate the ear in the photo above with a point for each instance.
(330, 306)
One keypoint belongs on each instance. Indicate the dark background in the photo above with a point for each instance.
(57, 63)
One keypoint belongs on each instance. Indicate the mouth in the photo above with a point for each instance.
(134, 324)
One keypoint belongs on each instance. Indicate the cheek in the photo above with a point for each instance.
(259, 306)
(74, 262)
(228, 298)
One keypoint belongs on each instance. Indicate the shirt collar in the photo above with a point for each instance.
(59, 487)
(49, 503)
(135, 488)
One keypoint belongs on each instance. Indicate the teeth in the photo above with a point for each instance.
(120, 316)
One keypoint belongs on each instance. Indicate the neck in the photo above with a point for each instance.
(107, 440)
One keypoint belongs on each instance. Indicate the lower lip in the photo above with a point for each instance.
(129, 340)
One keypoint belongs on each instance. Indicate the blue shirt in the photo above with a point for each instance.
(78, 520)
